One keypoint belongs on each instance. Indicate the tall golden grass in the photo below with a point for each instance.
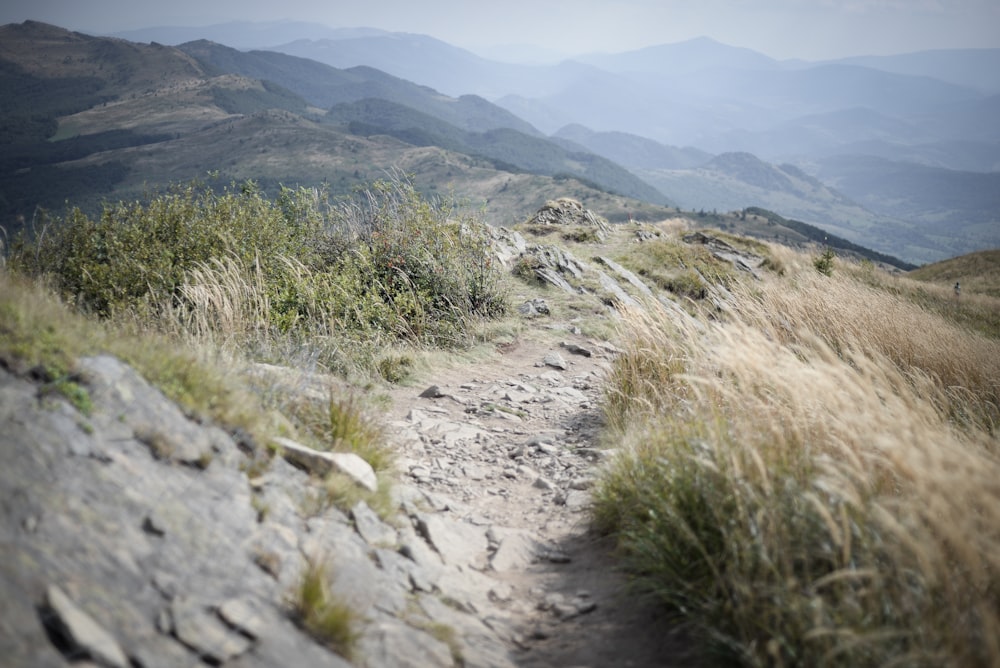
(814, 481)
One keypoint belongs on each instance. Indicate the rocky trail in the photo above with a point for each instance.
(506, 453)
(133, 536)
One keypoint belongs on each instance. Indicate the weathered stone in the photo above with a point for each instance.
(618, 296)
(632, 279)
(457, 542)
(477, 643)
(432, 392)
(205, 634)
(321, 463)
(243, 615)
(556, 361)
(518, 397)
(543, 484)
(534, 307)
(370, 527)
(515, 551)
(578, 500)
(392, 643)
(80, 632)
(574, 349)
(414, 547)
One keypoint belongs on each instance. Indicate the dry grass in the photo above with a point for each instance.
(816, 481)
(329, 620)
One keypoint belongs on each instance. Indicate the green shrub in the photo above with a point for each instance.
(240, 268)
(137, 255)
(824, 262)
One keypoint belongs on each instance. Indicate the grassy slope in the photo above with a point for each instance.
(796, 475)
(795, 471)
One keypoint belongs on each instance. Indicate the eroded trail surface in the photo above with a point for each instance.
(497, 462)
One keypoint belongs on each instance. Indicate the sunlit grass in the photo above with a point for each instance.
(813, 481)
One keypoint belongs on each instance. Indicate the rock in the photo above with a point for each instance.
(576, 350)
(633, 280)
(153, 525)
(370, 527)
(152, 419)
(501, 593)
(556, 361)
(578, 500)
(553, 265)
(518, 397)
(399, 569)
(741, 260)
(619, 297)
(205, 634)
(477, 644)
(392, 643)
(320, 463)
(432, 392)
(414, 548)
(457, 542)
(534, 307)
(515, 551)
(543, 484)
(243, 615)
(568, 211)
(80, 633)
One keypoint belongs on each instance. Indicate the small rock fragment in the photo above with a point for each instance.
(556, 361)
(243, 615)
(576, 350)
(80, 632)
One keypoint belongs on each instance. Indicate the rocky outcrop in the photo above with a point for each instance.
(566, 211)
(742, 260)
(133, 536)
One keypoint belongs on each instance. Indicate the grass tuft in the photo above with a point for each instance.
(330, 621)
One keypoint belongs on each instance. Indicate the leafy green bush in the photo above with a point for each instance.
(384, 265)
(824, 262)
(138, 254)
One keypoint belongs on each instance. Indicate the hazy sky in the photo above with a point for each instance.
(809, 29)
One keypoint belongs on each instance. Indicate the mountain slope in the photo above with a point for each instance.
(632, 151)
(508, 148)
(735, 181)
(325, 86)
(109, 119)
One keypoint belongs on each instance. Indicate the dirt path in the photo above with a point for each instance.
(509, 445)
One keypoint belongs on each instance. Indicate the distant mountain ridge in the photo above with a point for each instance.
(88, 119)
(603, 112)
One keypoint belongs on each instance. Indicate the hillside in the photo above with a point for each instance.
(370, 433)
(734, 181)
(114, 119)
(978, 273)
(325, 86)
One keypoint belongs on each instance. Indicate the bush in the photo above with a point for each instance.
(240, 267)
(824, 263)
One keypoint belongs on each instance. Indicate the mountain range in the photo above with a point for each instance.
(877, 151)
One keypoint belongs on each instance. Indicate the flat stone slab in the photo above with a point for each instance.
(81, 631)
(321, 463)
